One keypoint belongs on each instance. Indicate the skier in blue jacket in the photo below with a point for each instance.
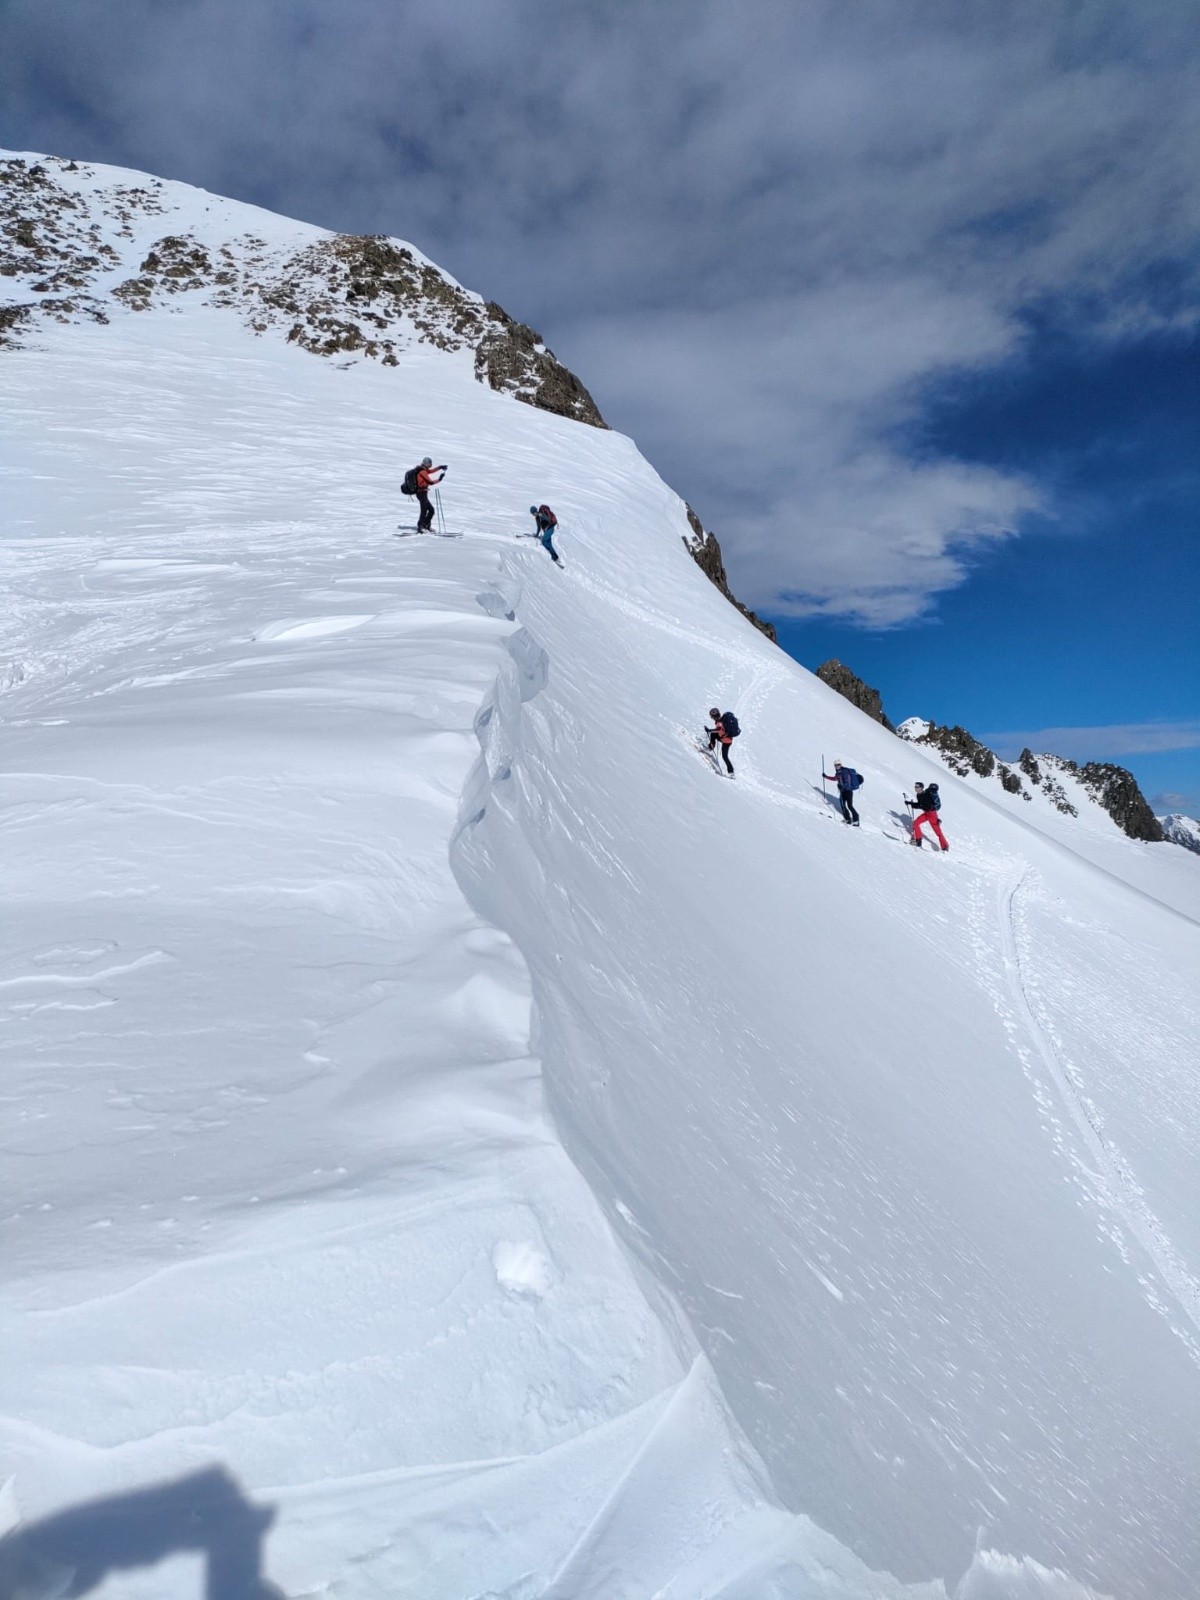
(546, 522)
(847, 781)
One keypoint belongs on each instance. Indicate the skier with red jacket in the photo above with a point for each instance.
(419, 481)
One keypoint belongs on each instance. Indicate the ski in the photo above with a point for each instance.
(700, 746)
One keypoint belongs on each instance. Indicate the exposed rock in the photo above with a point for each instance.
(367, 296)
(1113, 788)
(706, 553)
(515, 360)
(1116, 789)
(1046, 781)
(963, 753)
(852, 688)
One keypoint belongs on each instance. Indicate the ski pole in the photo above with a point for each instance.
(437, 500)
(824, 796)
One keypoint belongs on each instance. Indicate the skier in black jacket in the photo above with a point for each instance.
(726, 730)
(845, 778)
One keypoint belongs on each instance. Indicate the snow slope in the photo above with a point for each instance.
(523, 1162)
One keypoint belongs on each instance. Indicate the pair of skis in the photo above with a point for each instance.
(699, 743)
(441, 532)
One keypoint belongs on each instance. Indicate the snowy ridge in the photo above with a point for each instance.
(523, 1162)
(1099, 793)
(90, 243)
(1182, 830)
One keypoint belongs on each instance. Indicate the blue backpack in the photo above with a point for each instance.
(850, 779)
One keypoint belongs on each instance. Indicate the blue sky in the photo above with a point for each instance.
(903, 298)
(1081, 636)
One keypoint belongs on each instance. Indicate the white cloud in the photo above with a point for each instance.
(758, 232)
(1100, 743)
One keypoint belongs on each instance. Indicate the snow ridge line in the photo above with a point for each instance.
(1121, 1189)
(572, 1574)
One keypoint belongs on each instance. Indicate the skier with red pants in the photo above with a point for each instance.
(926, 805)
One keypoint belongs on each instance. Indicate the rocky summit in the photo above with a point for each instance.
(89, 243)
(852, 688)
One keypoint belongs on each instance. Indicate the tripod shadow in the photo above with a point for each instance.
(70, 1553)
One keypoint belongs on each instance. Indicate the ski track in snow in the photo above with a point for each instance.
(1119, 1185)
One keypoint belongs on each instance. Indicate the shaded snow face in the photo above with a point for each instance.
(528, 1161)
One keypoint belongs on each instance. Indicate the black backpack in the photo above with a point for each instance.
(930, 798)
(409, 486)
(730, 723)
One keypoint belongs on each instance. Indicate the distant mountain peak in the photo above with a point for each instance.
(1182, 830)
(1065, 784)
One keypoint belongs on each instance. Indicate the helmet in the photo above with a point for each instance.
(533, 511)
(836, 764)
(428, 461)
(714, 711)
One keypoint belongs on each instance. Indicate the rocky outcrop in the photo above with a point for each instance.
(704, 550)
(1112, 788)
(963, 753)
(1044, 779)
(513, 359)
(67, 254)
(1116, 789)
(852, 688)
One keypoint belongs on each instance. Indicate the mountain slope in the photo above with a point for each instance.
(371, 898)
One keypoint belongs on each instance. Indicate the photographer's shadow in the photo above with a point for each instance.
(72, 1552)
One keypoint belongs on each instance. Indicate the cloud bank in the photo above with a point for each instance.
(763, 234)
(1098, 744)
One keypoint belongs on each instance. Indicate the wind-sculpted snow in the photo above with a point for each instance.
(514, 1159)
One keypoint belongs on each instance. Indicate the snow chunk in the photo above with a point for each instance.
(521, 1267)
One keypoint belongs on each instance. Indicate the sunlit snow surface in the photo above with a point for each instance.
(523, 1161)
